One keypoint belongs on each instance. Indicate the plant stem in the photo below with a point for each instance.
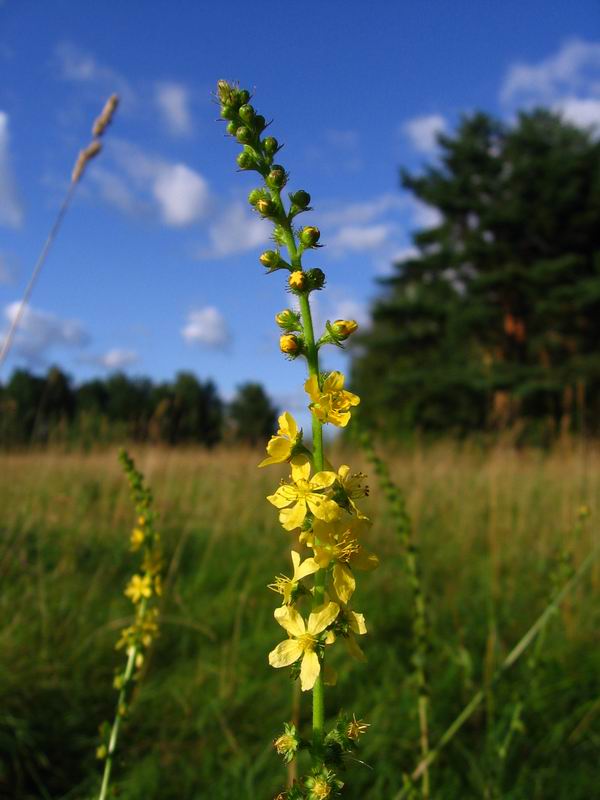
(312, 358)
(114, 733)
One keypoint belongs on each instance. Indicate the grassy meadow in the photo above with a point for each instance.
(496, 531)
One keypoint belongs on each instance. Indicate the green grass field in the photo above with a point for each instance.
(494, 529)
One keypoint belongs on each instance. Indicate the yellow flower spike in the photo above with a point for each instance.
(332, 403)
(303, 640)
(305, 494)
(285, 586)
(139, 587)
(281, 446)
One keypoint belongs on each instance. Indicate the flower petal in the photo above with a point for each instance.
(321, 617)
(364, 560)
(292, 518)
(309, 671)
(334, 382)
(357, 622)
(344, 582)
(295, 560)
(291, 620)
(285, 495)
(323, 508)
(288, 425)
(285, 653)
(300, 468)
(308, 567)
(323, 480)
(311, 387)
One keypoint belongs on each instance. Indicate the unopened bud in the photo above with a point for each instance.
(297, 280)
(310, 236)
(245, 161)
(266, 207)
(243, 95)
(246, 112)
(315, 279)
(343, 328)
(228, 112)
(270, 259)
(290, 344)
(243, 134)
(271, 145)
(255, 196)
(260, 123)
(276, 178)
(300, 199)
(232, 128)
(288, 320)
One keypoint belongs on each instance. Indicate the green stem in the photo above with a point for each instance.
(114, 733)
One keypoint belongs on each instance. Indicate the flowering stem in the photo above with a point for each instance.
(114, 733)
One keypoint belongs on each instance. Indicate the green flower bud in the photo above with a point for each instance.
(310, 236)
(300, 199)
(255, 196)
(315, 279)
(246, 112)
(243, 134)
(232, 128)
(276, 178)
(260, 123)
(228, 112)
(288, 320)
(270, 259)
(245, 161)
(270, 145)
(266, 207)
(243, 96)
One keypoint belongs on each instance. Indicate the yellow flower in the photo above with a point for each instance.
(344, 328)
(353, 486)
(139, 587)
(338, 541)
(303, 495)
(280, 447)
(285, 586)
(352, 624)
(332, 403)
(137, 539)
(303, 640)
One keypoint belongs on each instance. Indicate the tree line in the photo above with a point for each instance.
(42, 409)
(494, 321)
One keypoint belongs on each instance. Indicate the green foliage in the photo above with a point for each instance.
(252, 414)
(496, 318)
(35, 409)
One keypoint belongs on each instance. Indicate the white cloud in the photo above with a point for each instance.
(172, 100)
(361, 213)
(356, 238)
(423, 132)
(207, 327)
(79, 66)
(424, 216)
(583, 112)
(569, 71)
(235, 231)
(179, 194)
(11, 213)
(39, 332)
(115, 359)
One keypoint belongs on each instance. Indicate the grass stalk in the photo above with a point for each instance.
(535, 630)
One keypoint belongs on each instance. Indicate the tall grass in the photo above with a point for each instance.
(491, 527)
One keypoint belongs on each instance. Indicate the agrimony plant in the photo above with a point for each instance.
(143, 589)
(318, 504)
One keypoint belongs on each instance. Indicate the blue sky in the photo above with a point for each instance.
(156, 268)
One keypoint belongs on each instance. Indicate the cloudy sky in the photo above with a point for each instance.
(156, 268)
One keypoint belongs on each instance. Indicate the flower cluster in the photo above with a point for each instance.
(318, 505)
